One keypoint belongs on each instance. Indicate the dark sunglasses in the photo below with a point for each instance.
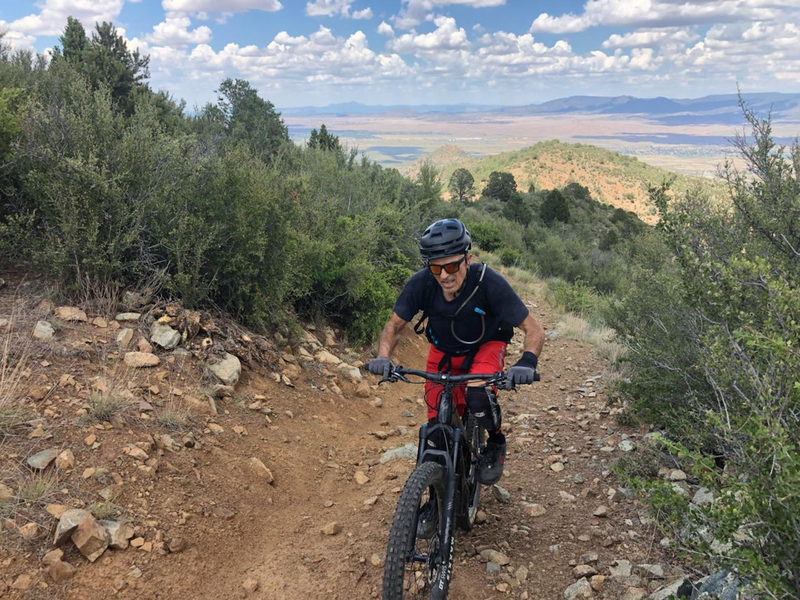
(450, 267)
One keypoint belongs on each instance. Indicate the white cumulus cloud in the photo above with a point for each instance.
(660, 13)
(331, 8)
(650, 38)
(447, 36)
(174, 31)
(385, 29)
(52, 18)
(414, 12)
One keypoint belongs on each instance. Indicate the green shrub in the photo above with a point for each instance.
(486, 234)
(711, 320)
(510, 257)
(577, 297)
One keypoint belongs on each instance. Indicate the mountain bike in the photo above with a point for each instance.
(442, 493)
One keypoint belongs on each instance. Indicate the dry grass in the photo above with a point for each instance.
(174, 415)
(524, 282)
(573, 327)
(105, 405)
(36, 487)
(14, 353)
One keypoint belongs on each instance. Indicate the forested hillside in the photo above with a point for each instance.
(612, 178)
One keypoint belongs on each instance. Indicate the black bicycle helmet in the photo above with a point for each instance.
(447, 237)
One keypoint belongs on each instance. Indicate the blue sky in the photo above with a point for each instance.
(316, 52)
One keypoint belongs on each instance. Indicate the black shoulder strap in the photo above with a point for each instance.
(427, 303)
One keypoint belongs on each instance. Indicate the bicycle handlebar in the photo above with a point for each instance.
(500, 378)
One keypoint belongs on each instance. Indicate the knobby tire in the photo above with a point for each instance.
(427, 476)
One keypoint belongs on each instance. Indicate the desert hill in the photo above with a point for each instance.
(612, 178)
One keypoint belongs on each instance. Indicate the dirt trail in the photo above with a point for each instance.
(238, 528)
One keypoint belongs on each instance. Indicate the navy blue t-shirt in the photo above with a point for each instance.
(504, 310)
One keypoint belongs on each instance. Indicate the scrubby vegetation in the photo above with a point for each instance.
(712, 322)
(106, 184)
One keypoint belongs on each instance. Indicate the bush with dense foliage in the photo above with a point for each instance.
(712, 321)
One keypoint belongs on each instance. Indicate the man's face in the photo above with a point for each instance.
(451, 282)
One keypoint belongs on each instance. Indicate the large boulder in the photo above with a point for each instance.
(227, 370)
(165, 336)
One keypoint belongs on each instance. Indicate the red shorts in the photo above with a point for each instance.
(489, 359)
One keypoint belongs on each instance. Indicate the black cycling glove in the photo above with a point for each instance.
(380, 366)
(523, 371)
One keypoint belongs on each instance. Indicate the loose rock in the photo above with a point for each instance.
(495, 557)
(61, 571)
(6, 493)
(124, 338)
(70, 313)
(29, 531)
(91, 538)
(119, 534)
(261, 471)
(128, 316)
(332, 528)
(579, 589)
(165, 336)
(41, 460)
(23, 582)
(68, 523)
(137, 360)
(501, 493)
(65, 460)
(43, 331)
(533, 510)
(406, 451)
(227, 370)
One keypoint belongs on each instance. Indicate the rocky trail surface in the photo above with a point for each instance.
(277, 485)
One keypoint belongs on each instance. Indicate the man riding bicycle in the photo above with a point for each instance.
(471, 312)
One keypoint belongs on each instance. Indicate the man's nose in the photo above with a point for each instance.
(443, 274)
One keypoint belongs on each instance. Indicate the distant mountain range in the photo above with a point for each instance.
(723, 108)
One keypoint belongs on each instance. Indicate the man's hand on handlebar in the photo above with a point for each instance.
(380, 366)
(524, 371)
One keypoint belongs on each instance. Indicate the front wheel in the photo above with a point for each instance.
(414, 558)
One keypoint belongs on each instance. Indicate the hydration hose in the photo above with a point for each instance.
(478, 310)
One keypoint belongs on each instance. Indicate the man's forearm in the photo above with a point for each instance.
(534, 336)
(389, 336)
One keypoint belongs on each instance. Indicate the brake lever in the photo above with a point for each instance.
(394, 376)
